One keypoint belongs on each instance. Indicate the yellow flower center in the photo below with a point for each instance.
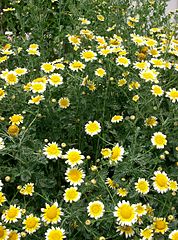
(74, 175)
(31, 222)
(11, 78)
(53, 149)
(160, 140)
(162, 180)
(2, 233)
(51, 212)
(12, 212)
(160, 225)
(96, 209)
(126, 211)
(55, 234)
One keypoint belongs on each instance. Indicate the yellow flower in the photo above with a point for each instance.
(31, 224)
(55, 79)
(72, 195)
(160, 225)
(142, 186)
(157, 90)
(28, 189)
(161, 182)
(95, 209)
(126, 230)
(135, 98)
(2, 198)
(64, 102)
(73, 157)
(13, 130)
(100, 18)
(20, 71)
(146, 233)
(111, 183)
(172, 95)
(141, 65)
(88, 55)
(100, 72)
(52, 151)
(138, 39)
(51, 214)
(159, 140)
(92, 128)
(55, 234)
(76, 66)
(74, 176)
(2, 93)
(125, 213)
(11, 78)
(117, 154)
(149, 75)
(4, 233)
(173, 235)
(151, 122)
(122, 82)
(106, 152)
(122, 192)
(16, 119)
(173, 185)
(47, 67)
(140, 209)
(36, 100)
(14, 235)
(117, 118)
(38, 87)
(123, 61)
(74, 40)
(12, 214)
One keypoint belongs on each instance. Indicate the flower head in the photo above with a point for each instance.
(51, 150)
(31, 224)
(72, 195)
(159, 140)
(161, 182)
(95, 209)
(51, 213)
(92, 128)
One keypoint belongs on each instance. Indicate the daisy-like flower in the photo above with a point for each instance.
(55, 233)
(142, 186)
(64, 102)
(76, 66)
(100, 18)
(88, 55)
(151, 42)
(16, 119)
(139, 40)
(161, 182)
(112, 184)
(121, 82)
(11, 78)
(28, 189)
(159, 63)
(160, 225)
(74, 40)
(172, 94)
(141, 65)
(125, 213)
(105, 51)
(2, 198)
(14, 235)
(106, 152)
(95, 209)
(31, 224)
(32, 51)
(59, 66)
(123, 61)
(92, 128)
(173, 185)
(154, 52)
(47, 67)
(4, 232)
(134, 85)
(125, 230)
(12, 214)
(75, 176)
(157, 90)
(36, 99)
(122, 192)
(51, 213)
(100, 72)
(146, 233)
(173, 235)
(72, 194)
(20, 71)
(149, 75)
(2, 93)
(13, 130)
(140, 209)
(116, 119)
(74, 157)
(55, 79)
(117, 154)
(52, 151)
(159, 140)
(151, 122)
(38, 87)
(135, 98)
(2, 145)
(84, 21)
